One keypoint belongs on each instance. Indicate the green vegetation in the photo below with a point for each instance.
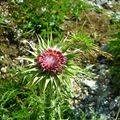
(28, 93)
(20, 102)
(114, 49)
(45, 16)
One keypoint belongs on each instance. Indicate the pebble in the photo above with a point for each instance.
(112, 105)
(4, 69)
(24, 42)
(1, 58)
(18, 1)
(103, 117)
(115, 103)
(101, 2)
(90, 83)
(105, 47)
(106, 103)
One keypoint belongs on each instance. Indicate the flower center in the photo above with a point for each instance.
(51, 61)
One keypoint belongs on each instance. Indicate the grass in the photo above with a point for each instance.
(114, 65)
(45, 16)
(20, 102)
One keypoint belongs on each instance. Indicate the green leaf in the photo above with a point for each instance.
(26, 58)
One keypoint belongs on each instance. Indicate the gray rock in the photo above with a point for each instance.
(103, 117)
(106, 103)
(4, 69)
(18, 1)
(105, 47)
(101, 2)
(90, 98)
(24, 42)
(1, 58)
(113, 104)
(99, 99)
(90, 83)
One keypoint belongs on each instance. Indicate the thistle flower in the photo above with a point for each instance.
(51, 60)
(50, 64)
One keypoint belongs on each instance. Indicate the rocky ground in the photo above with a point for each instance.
(95, 95)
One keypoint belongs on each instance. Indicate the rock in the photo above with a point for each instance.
(101, 2)
(90, 98)
(18, 1)
(19, 33)
(105, 47)
(98, 99)
(24, 42)
(90, 83)
(106, 103)
(1, 58)
(112, 105)
(103, 117)
(4, 69)
(115, 103)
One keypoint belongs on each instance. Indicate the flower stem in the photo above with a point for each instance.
(48, 103)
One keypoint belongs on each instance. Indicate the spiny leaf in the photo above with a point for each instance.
(30, 70)
(46, 83)
(32, 46)
(33, 53)
(26, 58)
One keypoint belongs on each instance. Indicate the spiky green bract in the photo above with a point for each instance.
(45, 78)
